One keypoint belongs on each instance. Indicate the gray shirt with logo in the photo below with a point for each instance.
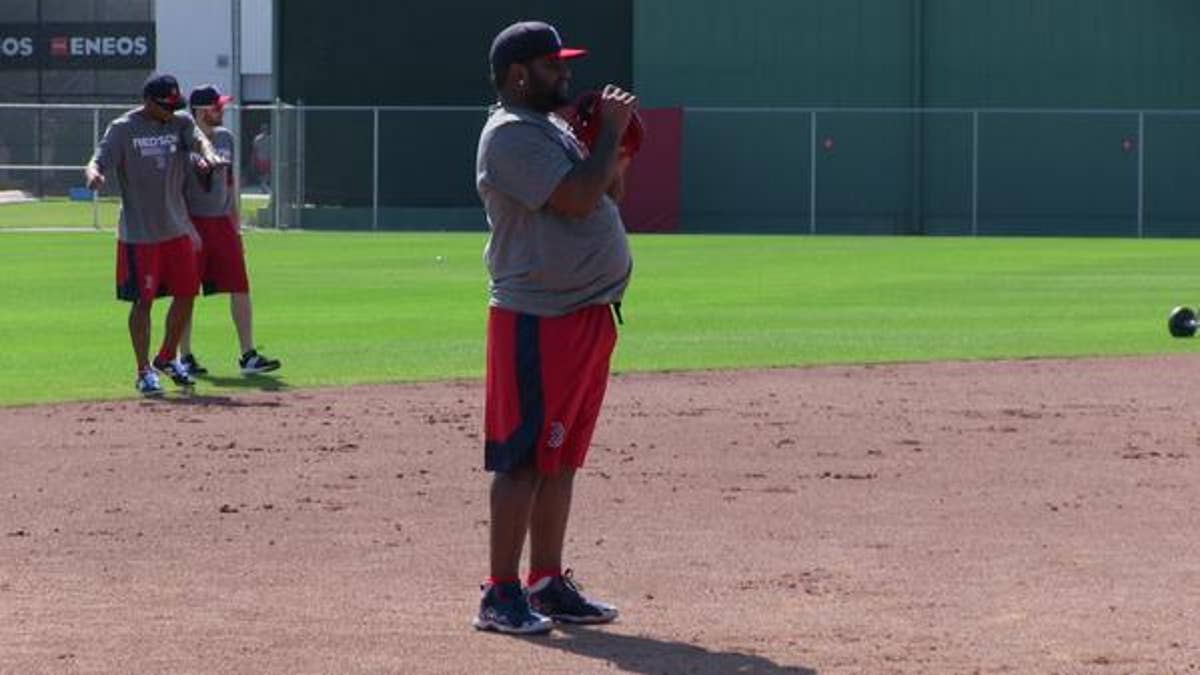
(150, 161)
(210, 195)
(540, 262)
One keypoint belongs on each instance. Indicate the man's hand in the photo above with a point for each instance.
(197, 242)
(93, 177)
(210, 163)
(616, 108)
(584, 185)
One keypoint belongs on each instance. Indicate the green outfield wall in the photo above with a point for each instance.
(1037, 123)
(415, 54)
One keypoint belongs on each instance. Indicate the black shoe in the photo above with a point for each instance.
(253, 363)
(175, 370)
(193, 366)
(559, 598)
(504, 608)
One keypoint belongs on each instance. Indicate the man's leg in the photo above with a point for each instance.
(243, 319)
(139, 332)
(552, 591)
(512, 498)
(185, 338)
(178, 316)
(548, 523)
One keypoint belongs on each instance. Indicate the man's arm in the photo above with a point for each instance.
(581, 189)
(616, 189)
(93, 175)
(108, 154)
(198, 143)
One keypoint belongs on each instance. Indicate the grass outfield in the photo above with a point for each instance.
(55, 212)
(349, 308)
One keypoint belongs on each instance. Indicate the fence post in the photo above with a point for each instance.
(235, 89)
(1141, 174)
(95, 193)
(812, 172)
(298, 193)
(276, 156)
(974, 173)
(375, 169)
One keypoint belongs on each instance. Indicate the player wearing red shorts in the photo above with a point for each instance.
(559, 262)
(147, 150)
(212, 205)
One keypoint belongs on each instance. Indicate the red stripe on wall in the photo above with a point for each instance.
(652, 187)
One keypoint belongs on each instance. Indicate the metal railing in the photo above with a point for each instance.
(934, 170)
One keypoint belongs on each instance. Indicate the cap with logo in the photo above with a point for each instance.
(525, 41)
(208, 95)
(163, 90)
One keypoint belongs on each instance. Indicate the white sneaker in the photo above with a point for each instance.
(253, 363)
(147, 384)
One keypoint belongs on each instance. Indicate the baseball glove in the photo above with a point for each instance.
(584, 117)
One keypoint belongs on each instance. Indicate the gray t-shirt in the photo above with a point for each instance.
(150, 160)
(211, 195)
(540, 262)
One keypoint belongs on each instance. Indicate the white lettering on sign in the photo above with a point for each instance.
(110, 45)
(11, 46)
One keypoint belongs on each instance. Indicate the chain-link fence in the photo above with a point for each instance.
(788, 170)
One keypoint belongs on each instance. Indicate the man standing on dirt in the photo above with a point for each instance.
(559, 263)
(148, 150)
(212, 204)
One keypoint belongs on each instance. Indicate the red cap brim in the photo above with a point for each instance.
(223, 100)
(571, 53)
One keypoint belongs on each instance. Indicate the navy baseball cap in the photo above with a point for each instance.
(525, 41)
(164, 91)
(208, 95)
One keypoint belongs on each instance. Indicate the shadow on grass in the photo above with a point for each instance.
(643, 654)
(197, 396)
(256, 382)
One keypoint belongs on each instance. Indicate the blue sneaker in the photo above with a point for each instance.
(193, 366)
(175, 370)
(559, 598)
(504, 608)
(147, 384)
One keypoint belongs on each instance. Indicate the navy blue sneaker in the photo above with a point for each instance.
(504, 608)
(175, 370)
(253, 363)
(559, 598)
(193, 366)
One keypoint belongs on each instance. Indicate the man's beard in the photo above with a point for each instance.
(549, 99)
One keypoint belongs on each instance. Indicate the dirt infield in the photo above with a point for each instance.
(1030, 516)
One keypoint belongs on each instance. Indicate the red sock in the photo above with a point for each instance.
(537, 575)
(496, 581)
(165, 354)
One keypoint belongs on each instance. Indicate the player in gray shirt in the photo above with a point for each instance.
(212, 203)
(558, 259)
(147, 150)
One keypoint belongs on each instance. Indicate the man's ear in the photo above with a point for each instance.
(518, 74)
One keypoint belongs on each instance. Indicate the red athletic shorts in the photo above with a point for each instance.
(546, 378)
(148, 271)
(222, 259)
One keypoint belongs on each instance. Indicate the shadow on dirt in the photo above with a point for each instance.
(257, 382)
(208, 401)
(642, 654)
